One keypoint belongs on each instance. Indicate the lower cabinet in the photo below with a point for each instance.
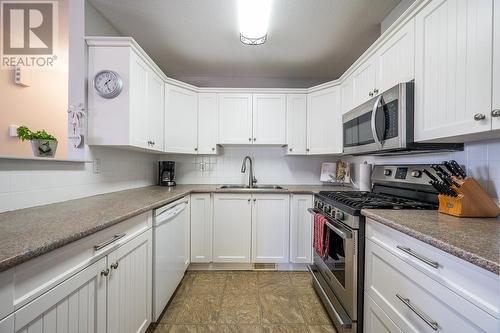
(376, 320)
(270, 228)
(7, 324)
(232, 228)
(300, 229)
(130, 286)
(76, 305)
(201, 228)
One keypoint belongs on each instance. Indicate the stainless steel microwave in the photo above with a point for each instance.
(384, 126)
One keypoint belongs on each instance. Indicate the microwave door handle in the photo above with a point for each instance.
(374, 121)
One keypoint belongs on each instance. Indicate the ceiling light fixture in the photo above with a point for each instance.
(254, 20)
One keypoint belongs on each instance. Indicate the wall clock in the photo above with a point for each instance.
(108, 84)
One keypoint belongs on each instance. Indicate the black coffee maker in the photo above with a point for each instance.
(166, 173)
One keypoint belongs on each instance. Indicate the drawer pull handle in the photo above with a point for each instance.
(432, 263)
(105, 272)
(109, 241)
(115, 265)
(428, 320)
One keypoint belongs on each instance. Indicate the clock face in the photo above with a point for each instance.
(108, 84)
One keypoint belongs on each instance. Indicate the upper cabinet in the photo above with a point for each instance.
(252, 118)
(453, 69)
(134, 117)
(269, 118)
(324, 122)
(495, 113)
(235, 118)
(364, 81)
(347, 94)
(181, 120)
(207, 123)
(296, 120)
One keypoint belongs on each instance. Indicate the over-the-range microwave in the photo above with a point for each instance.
(384, 126)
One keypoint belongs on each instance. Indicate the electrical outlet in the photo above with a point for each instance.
(13, 130)
(96, 165)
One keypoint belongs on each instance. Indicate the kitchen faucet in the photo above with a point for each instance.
(251, 178)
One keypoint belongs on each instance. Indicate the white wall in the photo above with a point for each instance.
(482, 160)
(394, 14)
(32, 183)
(271, 166)
(96, 24)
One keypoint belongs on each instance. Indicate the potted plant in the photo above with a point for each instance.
(42, 143)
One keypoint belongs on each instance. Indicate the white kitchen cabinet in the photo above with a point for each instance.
(324, 122)
(375, 320)
(300, 229)
(7, 324)
(134, 118)
(207, 123)
(495, 114)
(232, 228)
(347, 94)
(201, 228)
(187, 238)
(235, 118)
(269, 118)
(130, 286)
(296, 124)
(453, 69)
(181, 120)
(365, 81)
(396, 58)
(76, 305)
(270, 228)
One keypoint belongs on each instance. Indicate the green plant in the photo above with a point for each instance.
(25, 134)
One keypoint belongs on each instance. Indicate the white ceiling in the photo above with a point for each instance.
(197, 41)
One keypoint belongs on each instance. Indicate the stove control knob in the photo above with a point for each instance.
(339, 215)
(416, 173)
(387, 172)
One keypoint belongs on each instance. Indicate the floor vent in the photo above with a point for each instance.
(264, 267)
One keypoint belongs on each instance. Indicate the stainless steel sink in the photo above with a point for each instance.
(255, 188)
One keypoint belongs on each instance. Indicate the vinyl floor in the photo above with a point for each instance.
(245, 302)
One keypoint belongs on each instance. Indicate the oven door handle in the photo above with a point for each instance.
(374, 121)
(336, 230)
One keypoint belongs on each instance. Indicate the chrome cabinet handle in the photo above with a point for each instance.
(109, 241)
(307, 149)
(213, 149)
(250, 139)
(370, 94)
(495, 113)
(375, 91)
(428, 320)
(105, 272)
(254, 139)
(196, 149)
(115, 265)
(249, 200)
(291, 149)
(479, 116)
(407, 250)
(254, 200)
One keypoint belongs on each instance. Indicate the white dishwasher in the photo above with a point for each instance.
(171, 232)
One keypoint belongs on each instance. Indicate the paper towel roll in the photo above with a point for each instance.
(364, 178)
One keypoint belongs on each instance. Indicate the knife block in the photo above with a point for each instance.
(472, 201)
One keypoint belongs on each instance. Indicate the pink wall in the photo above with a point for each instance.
(43, 105)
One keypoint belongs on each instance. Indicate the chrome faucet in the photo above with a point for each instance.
(251, 178)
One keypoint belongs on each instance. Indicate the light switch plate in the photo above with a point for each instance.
(13, 130)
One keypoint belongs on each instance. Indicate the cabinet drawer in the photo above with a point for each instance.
(475, 284)
(40, 274)
(6, 293)
(375, 320)
(414, 301)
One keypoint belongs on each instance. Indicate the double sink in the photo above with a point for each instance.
(255, 188)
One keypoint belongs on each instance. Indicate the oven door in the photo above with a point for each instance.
(375, 125)
(339, 265)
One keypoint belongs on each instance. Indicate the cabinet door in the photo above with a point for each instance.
(301, 229)
(139, 115)
(375, 320)
(347, 95)
(324, 122)
(364, 81)
(156, 110)
(296, 120)
(270, 228)
(232, 228)
(7, 324)
(235, 118)
(496, 69)
(207, 123)
(396, 58)
(453, 68)
(181, 120)
(201, 228)
(129, 286)
(269, 118)
(187, 237)
(76, 305)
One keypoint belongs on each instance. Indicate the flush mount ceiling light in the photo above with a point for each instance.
(254, 19)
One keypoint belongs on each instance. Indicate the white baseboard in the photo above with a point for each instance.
(242, 267)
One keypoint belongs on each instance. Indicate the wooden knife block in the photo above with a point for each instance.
(472, 201)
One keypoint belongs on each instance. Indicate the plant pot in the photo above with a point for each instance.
(44, 148)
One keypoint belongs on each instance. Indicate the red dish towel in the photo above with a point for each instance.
(320, 241)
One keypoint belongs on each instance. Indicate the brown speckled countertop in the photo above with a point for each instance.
(476, 240)
(31, 232)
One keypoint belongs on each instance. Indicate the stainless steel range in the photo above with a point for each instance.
(338, 271)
